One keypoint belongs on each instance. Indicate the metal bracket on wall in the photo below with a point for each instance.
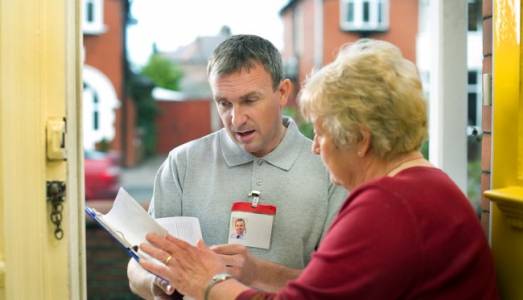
(55, 139)
(487, 89)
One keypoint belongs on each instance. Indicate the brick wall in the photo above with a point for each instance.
(486, 144)
(181, 121)
(106, 266)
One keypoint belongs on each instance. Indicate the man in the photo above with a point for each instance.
(239, 229)
(258, 153)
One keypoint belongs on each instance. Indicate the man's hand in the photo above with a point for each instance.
(239, 262)
(146, 284)
(252, 271)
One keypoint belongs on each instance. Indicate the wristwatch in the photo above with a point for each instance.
(214, 281)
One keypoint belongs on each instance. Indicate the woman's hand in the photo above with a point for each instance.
(187, 268)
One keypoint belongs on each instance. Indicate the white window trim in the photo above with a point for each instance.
(98, 83)
(357, 24)
(96, 26)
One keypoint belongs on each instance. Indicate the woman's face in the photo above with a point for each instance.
(341, 162)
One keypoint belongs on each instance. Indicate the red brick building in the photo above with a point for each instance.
(105, 98)
(314, 30)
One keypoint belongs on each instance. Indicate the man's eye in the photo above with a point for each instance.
(222, 103)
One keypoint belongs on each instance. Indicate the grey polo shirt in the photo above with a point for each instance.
(204, 177)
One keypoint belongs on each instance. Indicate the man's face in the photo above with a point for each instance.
(239, 227)
(250, 109)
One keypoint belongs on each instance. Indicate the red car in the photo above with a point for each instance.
(102, 176)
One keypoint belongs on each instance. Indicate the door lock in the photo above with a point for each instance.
(55, 139)
(55, 195)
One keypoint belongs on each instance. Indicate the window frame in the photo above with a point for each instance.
(96, 25)
(378, 10)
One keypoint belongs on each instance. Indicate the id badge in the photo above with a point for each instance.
(250, 225)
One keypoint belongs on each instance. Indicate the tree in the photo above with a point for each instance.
(163, 72)
(140, 89)
(158, 72)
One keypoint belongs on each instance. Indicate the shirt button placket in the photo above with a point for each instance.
(257, 180)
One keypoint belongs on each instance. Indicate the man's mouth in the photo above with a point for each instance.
(244, 136)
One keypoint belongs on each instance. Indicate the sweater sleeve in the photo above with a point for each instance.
(369, 253)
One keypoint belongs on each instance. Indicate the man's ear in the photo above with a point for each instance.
(285, 90)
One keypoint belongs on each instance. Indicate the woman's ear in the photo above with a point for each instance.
(364, 144)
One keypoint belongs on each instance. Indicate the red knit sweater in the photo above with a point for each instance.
(411, 236)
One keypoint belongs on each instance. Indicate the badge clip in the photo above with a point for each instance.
(255, 198)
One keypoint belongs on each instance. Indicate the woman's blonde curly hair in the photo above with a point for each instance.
(369, 85)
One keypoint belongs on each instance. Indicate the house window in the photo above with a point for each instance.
(92, 17)
(350, 12)
(95, 120)
(366, 11)
(89, 10)
(96, 110)
(474, 15)
(364, 15)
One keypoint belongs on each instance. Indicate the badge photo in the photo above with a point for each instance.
(251, 226)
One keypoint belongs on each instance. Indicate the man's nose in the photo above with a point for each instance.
(238, 117)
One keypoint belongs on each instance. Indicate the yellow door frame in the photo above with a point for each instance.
(40, 80)
(507, 148)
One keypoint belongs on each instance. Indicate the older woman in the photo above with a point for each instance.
(405, 232)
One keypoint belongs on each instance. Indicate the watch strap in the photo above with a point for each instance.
(220, 277)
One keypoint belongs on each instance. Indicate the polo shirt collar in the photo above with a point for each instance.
(283, 157)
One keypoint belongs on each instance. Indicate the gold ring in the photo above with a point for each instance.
(167, 259)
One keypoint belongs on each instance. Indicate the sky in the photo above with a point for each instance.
(174, 23)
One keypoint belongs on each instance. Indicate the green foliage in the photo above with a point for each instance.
(305, 127)
(474, 171)
(425, 149)
(103, 145)
(474, 183)
(163, 72)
